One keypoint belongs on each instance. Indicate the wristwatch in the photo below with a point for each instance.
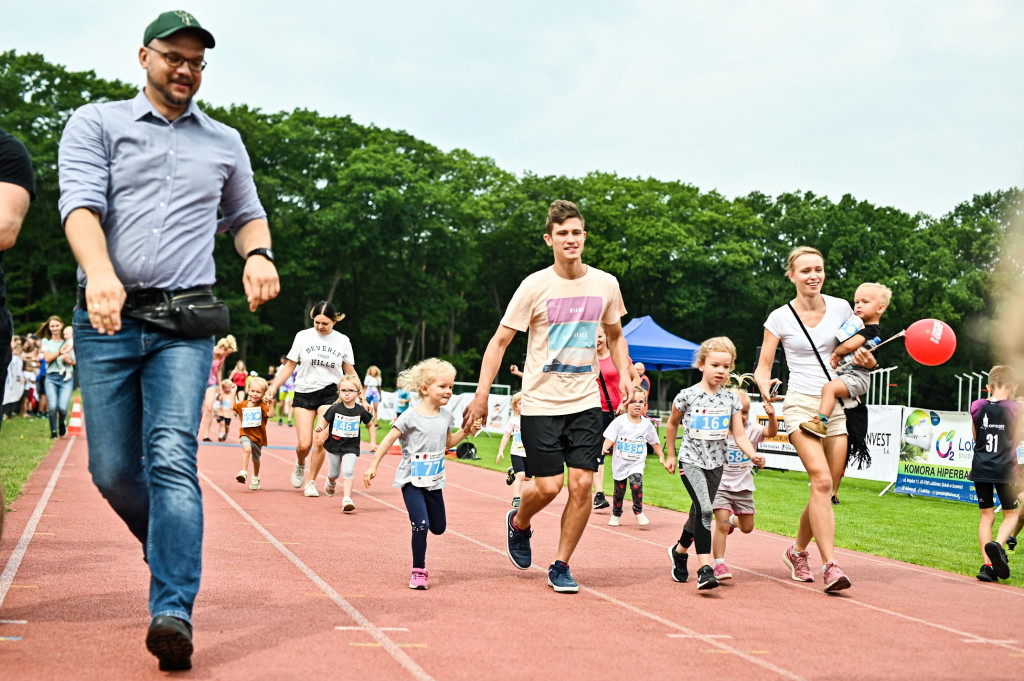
(265, 252)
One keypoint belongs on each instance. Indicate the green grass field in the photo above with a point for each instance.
(931, 532)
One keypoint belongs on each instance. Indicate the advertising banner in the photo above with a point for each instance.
(936, 453)
(883, 439)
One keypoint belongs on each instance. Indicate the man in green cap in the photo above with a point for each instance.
(145, 185)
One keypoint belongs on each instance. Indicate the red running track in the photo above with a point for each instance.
(295, 589)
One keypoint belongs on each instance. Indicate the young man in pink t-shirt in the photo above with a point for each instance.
(561, 307)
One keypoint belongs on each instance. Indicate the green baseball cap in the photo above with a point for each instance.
(170, 23)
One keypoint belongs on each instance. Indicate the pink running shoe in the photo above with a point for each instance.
(722, 572)
(797, 563)
(835, 578)
(418, 579)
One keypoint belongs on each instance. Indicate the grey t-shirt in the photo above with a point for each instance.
(705, 425)
(424, 441)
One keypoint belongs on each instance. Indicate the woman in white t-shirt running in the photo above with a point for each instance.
(825, 459)
(322, 356)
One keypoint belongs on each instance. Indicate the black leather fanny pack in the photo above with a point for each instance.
(191, 313)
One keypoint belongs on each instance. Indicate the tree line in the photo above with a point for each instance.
(423, 248)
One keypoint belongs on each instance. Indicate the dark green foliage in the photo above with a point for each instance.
(422, 248)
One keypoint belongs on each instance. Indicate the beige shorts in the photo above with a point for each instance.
(798, 407)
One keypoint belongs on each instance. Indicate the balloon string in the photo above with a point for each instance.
(892, 338)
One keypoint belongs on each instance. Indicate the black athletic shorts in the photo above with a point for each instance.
(1007, 492)
(518, 463)
(326, 395)
(554, 442)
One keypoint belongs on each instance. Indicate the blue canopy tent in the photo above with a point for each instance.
(658, 349)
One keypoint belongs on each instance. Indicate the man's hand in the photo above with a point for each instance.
(260, 281)
(104, 298)
(475, 411)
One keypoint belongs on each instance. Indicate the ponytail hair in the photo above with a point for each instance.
(326, 309)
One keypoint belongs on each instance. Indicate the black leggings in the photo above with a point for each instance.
(426, 512)
(702, 485)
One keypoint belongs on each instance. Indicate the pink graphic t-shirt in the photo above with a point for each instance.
(562, 318)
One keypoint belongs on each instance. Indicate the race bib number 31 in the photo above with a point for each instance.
(427, 469)
(709, 424)
(252, 417)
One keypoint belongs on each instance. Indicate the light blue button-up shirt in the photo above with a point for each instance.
(157, 187)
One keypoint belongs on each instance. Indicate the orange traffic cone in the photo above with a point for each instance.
(76, 421)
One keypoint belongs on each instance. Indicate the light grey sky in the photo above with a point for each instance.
(915, 104)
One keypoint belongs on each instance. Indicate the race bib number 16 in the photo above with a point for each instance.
(709, 424)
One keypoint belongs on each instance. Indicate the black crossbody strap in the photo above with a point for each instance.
(814, 348)
(604, 388)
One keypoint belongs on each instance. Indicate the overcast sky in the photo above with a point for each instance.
(914, 104)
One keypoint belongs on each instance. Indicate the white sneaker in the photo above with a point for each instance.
(298, 473)
(347, 506)
(242, 475)
(255, 482)
(614, 521)
(310, 490)
(641, 519)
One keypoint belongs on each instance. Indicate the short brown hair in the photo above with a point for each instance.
(560, 211)
(1002, 376)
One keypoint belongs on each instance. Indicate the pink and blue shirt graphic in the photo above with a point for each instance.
(572, 334)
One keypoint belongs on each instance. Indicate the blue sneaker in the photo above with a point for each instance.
(517, 546)
(560, 578)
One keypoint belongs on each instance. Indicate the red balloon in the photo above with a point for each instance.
(930, 341)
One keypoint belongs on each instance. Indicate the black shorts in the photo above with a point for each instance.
(224, 419)
(327, 395)
(606, 420)
(986, 491)
(518, 463)
(554, 442)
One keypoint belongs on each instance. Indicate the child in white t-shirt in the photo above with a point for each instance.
(516, 473)
(629, 434)
(733, 505)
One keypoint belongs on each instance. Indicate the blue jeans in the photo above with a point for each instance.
(142, 395)
(58, 397)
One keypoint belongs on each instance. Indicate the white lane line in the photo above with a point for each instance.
(13, 621)
(14, 562)
(710, 640)
(704, 636)
(364, 628)
(964, 636)
(393, 649)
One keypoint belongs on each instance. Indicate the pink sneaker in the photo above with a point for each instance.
(835, 578)
(722, 572)
(797, 563)
(418, 579)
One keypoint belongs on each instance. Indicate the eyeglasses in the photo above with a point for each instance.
(175, 60)
(348, 390)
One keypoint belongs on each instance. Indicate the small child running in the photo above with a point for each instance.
(708, 415)
(254, 414)
(629, 434)
(425, 433)
(339, 435)
(734, 502)
(995, 422)
(869, 302)
(516, 473)
(224, 407)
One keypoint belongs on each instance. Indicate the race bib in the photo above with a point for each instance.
(517, 444)
(345, 426)
(709, 424)
(736, 460)
(427, 469)
(252, 417)
(631, 450)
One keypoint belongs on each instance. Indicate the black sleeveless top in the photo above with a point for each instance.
(995, 446)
